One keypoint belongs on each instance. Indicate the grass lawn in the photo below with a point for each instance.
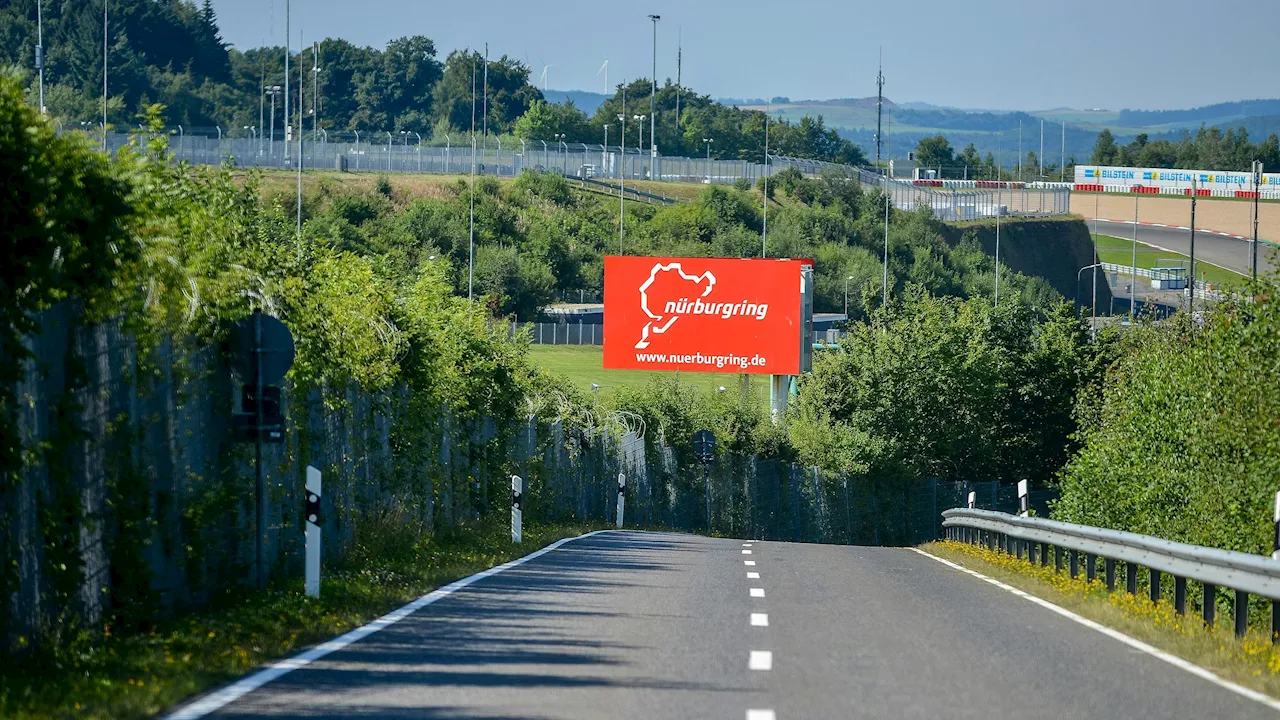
(1252, 661)
(1120, 251)
(583, 364)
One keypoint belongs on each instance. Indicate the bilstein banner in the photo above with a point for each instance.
(702, 314)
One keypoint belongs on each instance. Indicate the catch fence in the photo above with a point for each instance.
(385, 152)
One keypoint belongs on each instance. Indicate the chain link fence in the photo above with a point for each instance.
(386, 152)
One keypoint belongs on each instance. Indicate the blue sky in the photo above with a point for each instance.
(1000, 54)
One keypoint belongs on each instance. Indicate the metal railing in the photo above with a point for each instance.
(1032, 538)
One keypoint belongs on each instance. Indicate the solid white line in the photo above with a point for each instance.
(760, 660)
(746, 552)
(749, 563)
(1117, 635)
(761, 715)
(238, 689)
(759, 620)
(757, 592)
(753, 576)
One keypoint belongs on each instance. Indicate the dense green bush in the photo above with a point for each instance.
(1181, 438)
(940, 387)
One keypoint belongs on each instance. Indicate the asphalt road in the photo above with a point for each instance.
(648, 625)
(1229, 252)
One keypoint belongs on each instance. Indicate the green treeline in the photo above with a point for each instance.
(1206, 149)
(170, 52)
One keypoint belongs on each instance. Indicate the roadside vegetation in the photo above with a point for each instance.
(120, 674)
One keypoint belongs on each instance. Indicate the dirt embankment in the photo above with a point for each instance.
(1222, 215)
(1054, 249)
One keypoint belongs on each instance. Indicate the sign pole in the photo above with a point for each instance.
(313, 532)
(260, 485)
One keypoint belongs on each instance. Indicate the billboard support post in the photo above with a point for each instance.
(779, 393)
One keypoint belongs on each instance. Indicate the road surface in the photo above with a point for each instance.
(1229, 252)
(649, 625)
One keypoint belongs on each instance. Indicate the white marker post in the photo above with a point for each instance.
(517, 520)
(973, 499)
(622, 497)
(1275, 553)
(313, 532)
(1024, 500)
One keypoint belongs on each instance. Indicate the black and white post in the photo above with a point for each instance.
(517, 519)
(973, 499)
(1275, 551)
(313, 532)
(622, 495)
(1024, 499)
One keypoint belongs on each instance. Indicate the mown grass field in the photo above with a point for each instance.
(1120, 251)
(584, 364)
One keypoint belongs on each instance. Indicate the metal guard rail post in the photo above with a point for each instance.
(1245, 573)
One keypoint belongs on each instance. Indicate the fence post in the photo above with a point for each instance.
(517, 519)
(622, 497)
(313, 533)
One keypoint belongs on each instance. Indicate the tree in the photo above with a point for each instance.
(1104, 149)
(935, 152)
(545, 120)
(510, 94)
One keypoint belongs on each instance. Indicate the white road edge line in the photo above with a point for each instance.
(749, 563)
(221, 698)
(757, 592)
(760, 660)
(753, 576)
(1117, 635)
(761, 715)
(759, 619)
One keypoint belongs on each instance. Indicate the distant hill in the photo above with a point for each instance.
(1210, 114)
(584, 100)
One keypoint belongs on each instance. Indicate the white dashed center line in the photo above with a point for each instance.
(759, 620)
(761, 715)
(746, 544)
(753, 576)
(746, 552)
(757, 592)
(760, 660)
(749, 563)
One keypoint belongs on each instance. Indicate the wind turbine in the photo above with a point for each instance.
(605, 68)
(544, 78)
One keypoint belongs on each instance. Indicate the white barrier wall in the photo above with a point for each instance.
(1177, 180)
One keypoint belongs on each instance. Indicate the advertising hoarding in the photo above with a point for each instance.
(725, 315)
(1173, 179)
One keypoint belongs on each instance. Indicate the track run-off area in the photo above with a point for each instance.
(625, 624)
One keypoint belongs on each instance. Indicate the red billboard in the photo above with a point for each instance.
(703, 314)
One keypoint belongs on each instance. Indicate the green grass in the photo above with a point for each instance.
(132, 674)
(584, 364)
(1252, 661)
(1120, 251)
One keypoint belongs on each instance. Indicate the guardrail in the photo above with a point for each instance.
(1033, 537)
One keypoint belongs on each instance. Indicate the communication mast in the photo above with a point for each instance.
(879, 102)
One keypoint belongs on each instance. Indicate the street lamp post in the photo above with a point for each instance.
(419, 151)
(640, 127)
(653, 93)
(273, 91)
(846, 297)
(388, 150)
(708, 141)
(604, 151)
(564, 162)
